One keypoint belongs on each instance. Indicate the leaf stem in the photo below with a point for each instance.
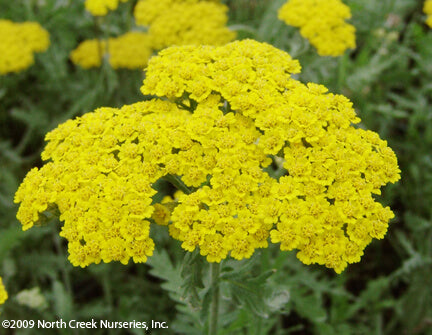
(214, 308)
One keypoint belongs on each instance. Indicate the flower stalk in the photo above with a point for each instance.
(214, 307)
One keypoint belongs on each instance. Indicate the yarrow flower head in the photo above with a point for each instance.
(181, 22)
(3, 292)
(322, 22)
(131, 51)
(101, 7)
(427, 9)
(18, 43)
(257, 155)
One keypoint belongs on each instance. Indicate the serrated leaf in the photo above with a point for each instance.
(310, 306)
(233, 269)
(163, 268)
(62, 301)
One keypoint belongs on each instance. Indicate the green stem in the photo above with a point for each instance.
(97, 28)
(64, 270)
(342, 72)
(106, 283)
(214, 308)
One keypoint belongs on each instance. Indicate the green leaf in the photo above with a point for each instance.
(63, 304)
(9, 238)
(309, 306)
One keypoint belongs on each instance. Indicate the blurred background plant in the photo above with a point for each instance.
(388, 77)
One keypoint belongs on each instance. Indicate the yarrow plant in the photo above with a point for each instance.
(180, 22)
(101, 7)
(322, 22)
(258, 156)
(18, 43)
(427, 9)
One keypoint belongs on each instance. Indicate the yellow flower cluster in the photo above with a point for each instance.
(131, 50)
(427, 9)
(89, 53)
(101, 7)
(18, 43)
(181, 22)
(223, 117)
(323, 206)
(3, 292)
(322, 22)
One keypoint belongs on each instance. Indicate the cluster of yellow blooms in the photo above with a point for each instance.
(18, 43)
(3, 292)
(101, 7)
(131, 50)
(181, 22)
(322, 22)
(427, 9)
(171, 22)
(220, 118)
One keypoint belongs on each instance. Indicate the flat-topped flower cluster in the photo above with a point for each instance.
(221, 120)
(182, 22)
(18, 44)
(168, 22)
(130, 50)
(322, 22)
(3, 292)
(427, 9)
(101, 7)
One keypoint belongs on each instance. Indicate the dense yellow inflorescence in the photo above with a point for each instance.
(175, 22)
(222, 120)
(322, 22)
(89, 53)
(3, 292)
(427, 9)
(101, 7)
(131, 51)
(18, 43)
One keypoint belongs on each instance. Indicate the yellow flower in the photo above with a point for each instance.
(427, 9)
(3, 292)
(131, 51)
(175, 22)
(334, 168)
(322, 22)
(101, 7)
(89, 53)
(217, 148)
(18, 43)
